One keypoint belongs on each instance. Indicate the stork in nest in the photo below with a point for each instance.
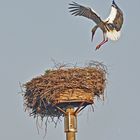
(111, 26)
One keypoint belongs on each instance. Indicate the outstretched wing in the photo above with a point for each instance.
(79, 10)
(116, 16)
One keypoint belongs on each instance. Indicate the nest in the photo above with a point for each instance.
(62, 87)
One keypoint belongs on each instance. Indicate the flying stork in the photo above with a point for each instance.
(111, 26)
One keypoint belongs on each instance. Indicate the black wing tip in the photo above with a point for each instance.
(73, 8)
(73, 3)
(114, 4)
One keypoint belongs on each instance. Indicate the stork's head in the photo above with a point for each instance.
(110, 26)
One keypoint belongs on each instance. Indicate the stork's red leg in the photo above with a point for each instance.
(103, 42)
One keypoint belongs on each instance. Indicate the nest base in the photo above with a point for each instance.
(73, 97)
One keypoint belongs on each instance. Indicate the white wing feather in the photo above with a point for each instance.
(112, 15)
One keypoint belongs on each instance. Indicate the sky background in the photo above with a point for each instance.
(32, 32)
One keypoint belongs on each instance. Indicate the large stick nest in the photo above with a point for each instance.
(64, 85)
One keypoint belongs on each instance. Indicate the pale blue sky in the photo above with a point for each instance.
(34, 31)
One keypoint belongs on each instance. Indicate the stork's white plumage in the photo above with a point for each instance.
(111, 26)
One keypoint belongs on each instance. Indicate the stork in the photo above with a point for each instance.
(110, 27)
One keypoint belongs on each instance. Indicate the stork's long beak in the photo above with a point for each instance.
(93, 31)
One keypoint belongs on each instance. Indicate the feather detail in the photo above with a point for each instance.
(113, 35)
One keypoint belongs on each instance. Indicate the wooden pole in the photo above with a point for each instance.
(70, 123)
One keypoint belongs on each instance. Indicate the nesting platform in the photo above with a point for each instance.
(60, 88)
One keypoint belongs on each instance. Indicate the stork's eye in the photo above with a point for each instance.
(110, 25)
